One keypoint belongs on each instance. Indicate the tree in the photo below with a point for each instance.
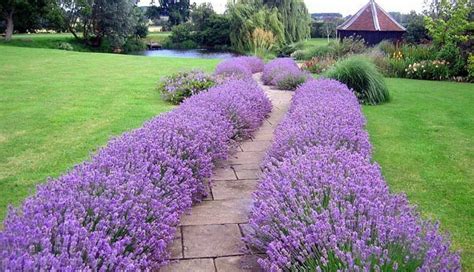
(102, 20)
(177, 10)
(295, 18)
(28, 10)
(416, 30)
(447, 21)
(248, 15)
(200, 14)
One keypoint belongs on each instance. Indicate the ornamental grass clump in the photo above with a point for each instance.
(119, 210)
(177, 87)
(362, 76)
(283, 73)
(322, 205)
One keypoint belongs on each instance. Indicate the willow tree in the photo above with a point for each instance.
(294, 16)
(248, 15)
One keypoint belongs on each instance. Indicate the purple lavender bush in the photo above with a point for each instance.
(321, 204)
(177, 87)
(284, 73)
(239, 67)
(119, 211)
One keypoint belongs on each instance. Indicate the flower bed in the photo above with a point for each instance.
(240, 67)
(119, 211)
(322, 205)
(284, 73)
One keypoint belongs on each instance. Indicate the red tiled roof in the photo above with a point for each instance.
(371, 18)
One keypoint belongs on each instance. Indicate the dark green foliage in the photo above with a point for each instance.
(361, 75)
(453, 55)
(133, 45)
(23, 15)
(216, 32)
(178, 11)
(182, 33)
(416, 30)
(206, 29)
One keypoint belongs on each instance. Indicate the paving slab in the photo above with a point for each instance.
(247, 158)
(238, 263)
(218, 212)
(248, 174)
(176, 247)
(212, 241)
(195, 265)
(239, 189)
(256, 146)
(225, 173)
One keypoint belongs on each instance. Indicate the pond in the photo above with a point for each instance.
(188, 53)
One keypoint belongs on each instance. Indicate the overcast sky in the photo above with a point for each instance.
(346, 7)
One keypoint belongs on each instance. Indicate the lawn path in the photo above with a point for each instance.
(210, 236)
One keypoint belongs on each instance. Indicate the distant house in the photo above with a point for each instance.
(373, 24)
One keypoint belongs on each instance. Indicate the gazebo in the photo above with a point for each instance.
(373, 24)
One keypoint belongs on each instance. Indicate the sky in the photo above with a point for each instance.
(346, 7)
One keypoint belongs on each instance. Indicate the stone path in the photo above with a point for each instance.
(209, 238)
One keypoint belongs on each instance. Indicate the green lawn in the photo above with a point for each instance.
(56, 107)
(159, 37)
(316, 42)
(424, 141)
(52, 41)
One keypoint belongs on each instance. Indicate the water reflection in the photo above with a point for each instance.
(189, 53)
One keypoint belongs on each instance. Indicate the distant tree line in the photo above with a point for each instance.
(111, 24)
(247, 25)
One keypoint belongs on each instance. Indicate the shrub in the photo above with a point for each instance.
(134, 45)
(387, 47)
(119, 211)
(380, 60)
(415, 53)
(65, 46)
(318, 65)
(241, 67)
(291, 80)
(397, 67)
(277, 67)
(182, 85)
(284, 73)
(321, 204)
(362, 77)
(431, 70)
(182, 33)
(348, 46)
(452, 54)
(287, 50)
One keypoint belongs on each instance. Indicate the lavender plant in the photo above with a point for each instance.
(239, 67)
(284, 73)
(322, 205)
(119, 210)
(177, 87)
